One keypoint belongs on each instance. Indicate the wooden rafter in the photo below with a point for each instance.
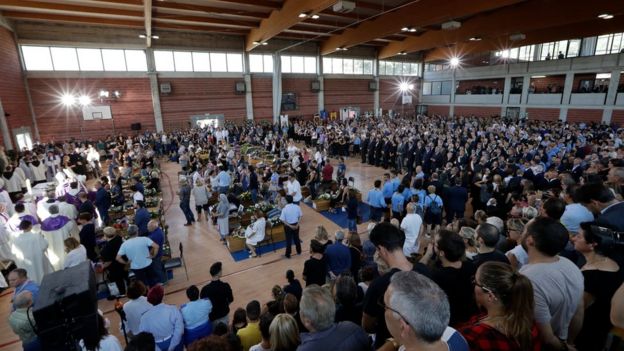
(509, 20)
(282, 19)
(60, 8)
(162, 6)
(417, 14)
(138, 23)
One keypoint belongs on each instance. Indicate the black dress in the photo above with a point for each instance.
(596, 322)
(116, 271)
(315, 271)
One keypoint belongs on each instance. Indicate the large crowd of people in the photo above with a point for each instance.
(484, 234)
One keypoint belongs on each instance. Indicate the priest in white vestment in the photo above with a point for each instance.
(66, 209)
(4, 196)
(30, 252)
(56, 229)
(43, 206)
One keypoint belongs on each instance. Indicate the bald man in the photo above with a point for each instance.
(20, 321)
(158, 236)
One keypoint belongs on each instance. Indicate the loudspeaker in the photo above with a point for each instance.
(315, 86)
(135, 126)
(239, 87)
(165, 88)
(373, 85)
(66, 309)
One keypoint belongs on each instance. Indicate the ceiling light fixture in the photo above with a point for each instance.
(315, 17)
(535, 77)
(303, 15)
(153, 36)
(260, 43)
(605, 16)
(475, 39)
(341, 48)
(142, 36)
(402, 53)
(84, 100)
(408, 29)
(454, 61)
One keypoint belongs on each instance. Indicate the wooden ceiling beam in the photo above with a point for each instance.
(416, 14)
(147, 15)
(206, 21)
(162, 6)
(61, 8)
(282, 19)
(575, 30)
(74, 19)
(527, 16)
(260, 3)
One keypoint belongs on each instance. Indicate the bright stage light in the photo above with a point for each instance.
(410, 87)
(454, 61)
(68, 100)
(403, 86)
(84, 100)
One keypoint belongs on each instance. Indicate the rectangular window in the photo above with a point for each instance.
(347, 65)
(135, 60)
(390, 68)
(616, 45)
(427, 88)
(114, 60)
(268, 63)
(309, 64)
(64, 59)
(574, 48)
(90, 59)
(383, 67)
(296, 64)
(201, 62)
(37, 58)
(183, 61)
(337, 67)
(436, 88)
(256, 64)
(446, 87)
(602, 44)
(286, 64)
(358, 66)
(367, 67)
(164, 61)
(218, 62)
(327, 65)
(234, 62)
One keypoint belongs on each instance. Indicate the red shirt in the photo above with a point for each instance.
(328, 172)
(482, 337)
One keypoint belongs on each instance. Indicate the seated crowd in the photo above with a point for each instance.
(535, 266)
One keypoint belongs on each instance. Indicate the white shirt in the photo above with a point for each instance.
(134, 309)
(137, 196)
(109, 343)
(294, 188)
(411, 225)
(75, 257)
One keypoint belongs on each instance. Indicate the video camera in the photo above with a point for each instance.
(609, 237)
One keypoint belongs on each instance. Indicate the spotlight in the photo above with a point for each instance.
(402, 53)
(475, 39)
(454, 61)
(410, 87)
(315, 17)
(303, 15)
(155, 37)
(408, 29)
(84, 100)
(117, 94)
(605, 16)
(104, 94)
(68, 100)
(403, 86)
(260, 43)
(341, 48)
(142, 36)
(404, 29)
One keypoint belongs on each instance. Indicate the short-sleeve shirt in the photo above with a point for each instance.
(558, 288)
(315, 271)
(291, 214)
(137, 251)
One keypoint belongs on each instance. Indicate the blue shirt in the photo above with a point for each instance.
(137, 251)
(291, 214)
(388, 189)
(431, 198)
(163, 322)
(158, 237)
(28, 285)
(141, 218)
(395, 183)
(224, 178)
(574, 215)
(397, 203)
(407, 194)
(375, 198)
(338, 258)
(195, 313)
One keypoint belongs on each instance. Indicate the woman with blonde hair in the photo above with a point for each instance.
(515, 227)
(76, 253)
(322, 236)
(480, 216)
(284, 333)
(507, 298)
(470, 239)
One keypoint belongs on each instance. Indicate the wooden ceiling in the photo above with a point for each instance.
(376, 23)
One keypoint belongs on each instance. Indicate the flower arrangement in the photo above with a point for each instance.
(325, 196)
(245, 196)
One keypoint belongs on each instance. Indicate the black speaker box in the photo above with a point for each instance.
(239, 88)
(135, 126)
(66, 309)
(373, 85)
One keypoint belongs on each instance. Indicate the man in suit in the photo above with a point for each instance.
(601, 201)
(364, 149)
(102, 201)
(456, 199)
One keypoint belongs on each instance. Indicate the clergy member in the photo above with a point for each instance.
(56, 229)
(29, 250)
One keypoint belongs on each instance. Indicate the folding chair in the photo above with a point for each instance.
(176, 262)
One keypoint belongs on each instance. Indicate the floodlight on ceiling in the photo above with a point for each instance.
(402, 53)
(341, 48)
(153, 36)
(260, 43)
(408, 29)
(303, 15)
(475, 39)
(315, 17)
(605, 16)
(68, 100)
(454, 61)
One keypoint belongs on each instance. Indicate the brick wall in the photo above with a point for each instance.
(465, 85)
(479, 111)
(541, 84)
(543, 114)
(262, 96)
(582, 115)
(57, 122)
(442, 110)
(196, 96)
(579, 77)
(307, 101)
(348, 92)
(12, 90)
(617, 118)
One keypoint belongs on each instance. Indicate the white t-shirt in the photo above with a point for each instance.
(259, 347)
(521, 255)
(109, 343)
(137, 196)
(411, 225)
(294, 187)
